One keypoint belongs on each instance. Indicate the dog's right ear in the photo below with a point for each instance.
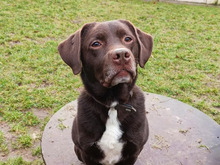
(69, 51)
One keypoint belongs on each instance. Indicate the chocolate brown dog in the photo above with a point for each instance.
(111, 125)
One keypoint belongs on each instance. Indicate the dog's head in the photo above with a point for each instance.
(107, 52)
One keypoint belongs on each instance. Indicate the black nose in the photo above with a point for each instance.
(121, 55)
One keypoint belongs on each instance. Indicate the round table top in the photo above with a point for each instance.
(179, 134)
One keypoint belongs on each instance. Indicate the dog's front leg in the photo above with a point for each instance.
(89, 161)
(87, 155)
(128, 161)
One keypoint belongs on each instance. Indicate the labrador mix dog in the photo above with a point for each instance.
(111, 125)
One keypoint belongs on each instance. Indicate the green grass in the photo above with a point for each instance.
(15, 161)
(184, 64)
(3, 144)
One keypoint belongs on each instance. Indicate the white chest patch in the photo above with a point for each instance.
(109, 142)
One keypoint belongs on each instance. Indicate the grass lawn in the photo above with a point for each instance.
(35, 82)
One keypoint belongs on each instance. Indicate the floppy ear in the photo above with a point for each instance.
(69, 51)
(145, 42)
(145, 45)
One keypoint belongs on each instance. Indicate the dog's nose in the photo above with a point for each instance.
(121, 55)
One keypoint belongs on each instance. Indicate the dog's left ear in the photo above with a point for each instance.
(145, 42)
(146, 45)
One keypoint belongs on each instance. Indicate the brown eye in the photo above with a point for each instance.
(96, 44)
(128, 39)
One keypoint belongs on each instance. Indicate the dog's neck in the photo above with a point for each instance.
(120, 93)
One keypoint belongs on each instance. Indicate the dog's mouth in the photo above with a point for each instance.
(113, 78)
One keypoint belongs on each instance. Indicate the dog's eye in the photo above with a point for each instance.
(96, 44)
(128, 39)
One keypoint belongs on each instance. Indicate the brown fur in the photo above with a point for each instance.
(107, 62)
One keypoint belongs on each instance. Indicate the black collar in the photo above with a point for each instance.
(117, 106)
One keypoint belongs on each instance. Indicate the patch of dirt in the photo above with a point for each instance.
(44, 84)
(11, 137)
(214, 77)
(42, 113)
(14, 43)
(77, 21)
(26, 154)
(41, 40)
(217, 108)
(45, 40)
(4, 127)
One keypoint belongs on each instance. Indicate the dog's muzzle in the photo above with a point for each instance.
(119, 67)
